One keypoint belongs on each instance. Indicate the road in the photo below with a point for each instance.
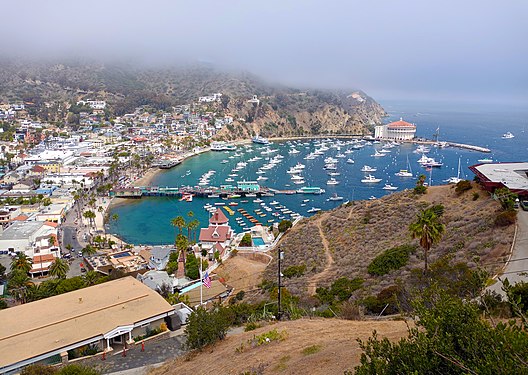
(517, 268)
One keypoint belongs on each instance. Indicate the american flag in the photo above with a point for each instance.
(207, 280)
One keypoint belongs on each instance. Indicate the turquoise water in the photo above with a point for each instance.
(258, 241)
(147, 221)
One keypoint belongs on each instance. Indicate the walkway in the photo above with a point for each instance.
(156, 352)
(317, 278)
(517, 268)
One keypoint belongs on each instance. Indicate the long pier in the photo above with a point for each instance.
(211, 192)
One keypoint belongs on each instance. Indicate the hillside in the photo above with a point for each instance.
(318, 346)
(282, 111)
(344, 241)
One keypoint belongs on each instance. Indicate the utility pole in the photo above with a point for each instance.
(279, 274)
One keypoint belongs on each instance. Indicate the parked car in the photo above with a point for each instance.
(524, 205)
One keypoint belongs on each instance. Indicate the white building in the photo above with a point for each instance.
(94, 104)
(210, 98)
(30, 238)
(398, 130)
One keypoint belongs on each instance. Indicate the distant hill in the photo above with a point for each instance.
(281, 111)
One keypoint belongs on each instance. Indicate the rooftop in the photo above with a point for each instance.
(512, 175)
(21, 230)
(72, 317)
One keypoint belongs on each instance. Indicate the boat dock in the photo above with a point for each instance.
(451, 144)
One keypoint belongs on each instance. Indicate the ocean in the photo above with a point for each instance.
(147, 221)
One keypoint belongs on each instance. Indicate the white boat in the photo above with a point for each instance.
(258, 200)
(229, 179)
(313, 210)
(372, 198)
(274, 203)
(299, 182)
(377, 154)
(367, 168)
(485, 160)
(296, 177)
(335, 197)
(350, 161)
(261, 178)
(507, 135)
(332, 181)
(293, 151)
(334, 174)
(457, 179)
(224, 161)
(389, 187)
(370, 179)
(405, 172)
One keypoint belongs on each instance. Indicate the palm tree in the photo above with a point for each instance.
(90, 278)
(88, 250)
(115, 218)
(428, 229)
(193, 226)
(21, 262)
(59, 268)
(178, 222)
(19, 285)
(90, 215)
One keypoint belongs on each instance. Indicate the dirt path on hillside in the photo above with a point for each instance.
(316, 279)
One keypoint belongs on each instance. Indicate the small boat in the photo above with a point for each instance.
(274, 203)
(332, 181)
(377, 154)
(306, 200)
(299, 182)
(403, 173)
(224, 161)
(367, 168)
(370, 179)
(485, 160)
(372, 198)
(233, 203)
(335, 197)
(232, 196)
(261, 178)
(389, 187)
(334, 174)
(229, 179)
(258, 200)
(314, 209)
(350, 161)
(507, 135)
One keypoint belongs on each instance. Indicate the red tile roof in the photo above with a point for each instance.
(219, 233)
(400, 124)
(51, 224)
(218, 218)
(37, 259)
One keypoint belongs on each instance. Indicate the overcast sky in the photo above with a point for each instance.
(389, 48)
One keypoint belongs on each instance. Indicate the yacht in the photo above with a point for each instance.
(314, 210)
(377, 154)
(258, 200)
(293, 151)
(372, 198)
(366, 168)
(507, 135)
(370, 179)
(350, 161)
(299, 182)
(335, 197)
(403, 173)
(224, 161)
(457, 179)
(260, 140)
(332, 181)
(261, 178)
(296, 177)
(389, 187)
(229, 179)
(485, 160)
(334, 174)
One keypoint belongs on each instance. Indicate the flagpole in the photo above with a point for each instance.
(201, 281)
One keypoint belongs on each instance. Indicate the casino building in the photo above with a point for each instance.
(397, 130)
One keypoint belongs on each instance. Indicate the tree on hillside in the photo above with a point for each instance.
(206, 327)
(450, 338)
(21, 262)
(59, 268)
(428, 229)
(192, 267)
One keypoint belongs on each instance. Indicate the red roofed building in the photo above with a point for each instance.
(218, 235)
(41, 264)
(397, 130)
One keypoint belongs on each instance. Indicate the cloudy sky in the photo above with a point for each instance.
(389, 48)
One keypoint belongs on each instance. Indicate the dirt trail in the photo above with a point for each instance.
(317, 278)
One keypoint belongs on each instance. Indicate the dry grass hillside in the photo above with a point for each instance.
(344, 241)
(319, 346)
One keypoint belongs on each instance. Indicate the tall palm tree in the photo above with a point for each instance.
(90, 215)
(21, 262)
(90, 278)
(59, 268)
(88, 250)
(115, 218)
(193, 226)
(178, 222)
(428, 229)
(19, 285)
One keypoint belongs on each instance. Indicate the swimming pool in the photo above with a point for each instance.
(125, 254)
(258, 241)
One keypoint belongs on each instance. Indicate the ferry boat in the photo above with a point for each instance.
(260, 140)
(507, 135)
(370, 179)
(310, 190)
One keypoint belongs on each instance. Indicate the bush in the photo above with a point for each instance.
(390, 260)
(294, 271)
(284, 225)
(350, 311)
(205, 328)
(476, 196)
(462, 186)
(506, 218)
(246, 240)
(251, 326)
(385, 301)
(420, 189)
(192, 267)
(339, 291)
(519, 292)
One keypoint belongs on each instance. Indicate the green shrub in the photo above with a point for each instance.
(462, 186)
(390, 260)
(476, 196)
(339, 291)
(420, 189)
(284, 225)
(311, 349)
(506, 218)
(385, 301)
(246, 240)
(270, 336)
(519, 292)
(206, 327)
(251, 326)
(294, 271)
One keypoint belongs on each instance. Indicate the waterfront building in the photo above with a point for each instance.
(217, 236)
(248, 186)
(104, 317)
(397, 130)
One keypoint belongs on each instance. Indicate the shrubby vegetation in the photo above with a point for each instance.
(463, 186)
(294, 271)
(73, 369)
(246, 240)
(391, 259)
(284, 225)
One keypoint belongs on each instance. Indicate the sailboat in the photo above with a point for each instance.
(405, 172)
(457, 179)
